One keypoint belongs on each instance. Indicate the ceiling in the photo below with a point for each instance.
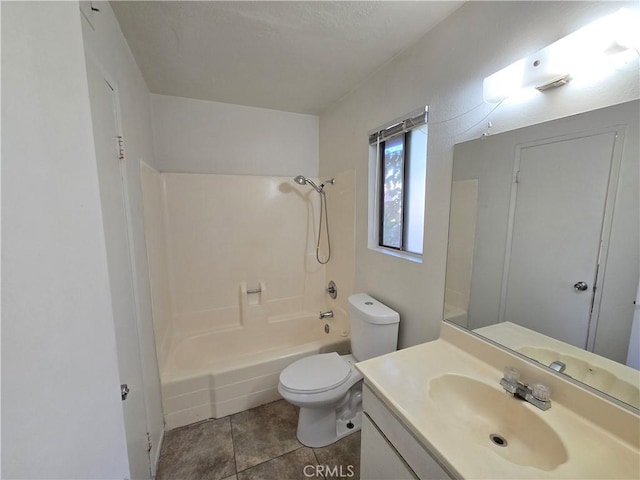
(292, 56)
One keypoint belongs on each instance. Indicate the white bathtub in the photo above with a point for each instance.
(214, 374)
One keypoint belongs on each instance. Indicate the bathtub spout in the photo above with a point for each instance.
(327, 314)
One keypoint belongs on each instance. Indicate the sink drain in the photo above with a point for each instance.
(498, 440)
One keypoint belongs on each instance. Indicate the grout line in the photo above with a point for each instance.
(277, 456)
(317, 462)
(233, 446)
(269, 459)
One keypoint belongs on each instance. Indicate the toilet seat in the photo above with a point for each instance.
(315, 374)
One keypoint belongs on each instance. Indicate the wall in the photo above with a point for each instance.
(197, 136)
(462, 230)
(106, 47)
(445, 69)
(222, 230)
(155, 234)
(341, 201)
(61, 409)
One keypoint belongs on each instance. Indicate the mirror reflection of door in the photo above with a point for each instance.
(517, 250)
(560, 194)
(536, 211)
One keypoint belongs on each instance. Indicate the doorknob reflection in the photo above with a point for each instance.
(581, 286)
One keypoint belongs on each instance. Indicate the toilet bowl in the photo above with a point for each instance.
(322, 385)
(327, 387)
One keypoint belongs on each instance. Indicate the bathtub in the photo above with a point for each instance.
(218, 373)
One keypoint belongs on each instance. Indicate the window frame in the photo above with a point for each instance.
(406, 159)
(377, 141)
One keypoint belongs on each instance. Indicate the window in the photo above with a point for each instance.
(398, 161)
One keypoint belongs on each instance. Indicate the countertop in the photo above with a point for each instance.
(401, 380)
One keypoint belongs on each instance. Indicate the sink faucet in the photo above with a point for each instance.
(537, 394)
(558, 366)
(327, 314)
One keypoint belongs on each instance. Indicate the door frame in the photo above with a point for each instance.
(605, 231)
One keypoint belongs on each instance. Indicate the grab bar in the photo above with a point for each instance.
(255, 290)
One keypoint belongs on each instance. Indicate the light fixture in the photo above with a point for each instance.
(599, 46)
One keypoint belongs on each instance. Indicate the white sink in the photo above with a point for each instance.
(593, 375)
(505, 425)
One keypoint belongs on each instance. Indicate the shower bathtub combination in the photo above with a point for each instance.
(237, 285)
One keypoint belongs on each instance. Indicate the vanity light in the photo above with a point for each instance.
(597, 48)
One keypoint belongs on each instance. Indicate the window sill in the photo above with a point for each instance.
(412, 257)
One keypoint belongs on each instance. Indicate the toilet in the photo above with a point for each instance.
(327, 387)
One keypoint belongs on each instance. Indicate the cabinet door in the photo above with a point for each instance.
(378, 459)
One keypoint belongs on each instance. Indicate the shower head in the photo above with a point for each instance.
(302, 180)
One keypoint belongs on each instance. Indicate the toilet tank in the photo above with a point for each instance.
(374, 327)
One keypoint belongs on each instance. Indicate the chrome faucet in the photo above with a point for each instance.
(327, 314)
(537, 394)
(558, 366)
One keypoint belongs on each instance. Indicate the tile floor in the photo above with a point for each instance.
(258, 444)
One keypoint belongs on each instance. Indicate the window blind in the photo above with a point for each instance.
(415, 119)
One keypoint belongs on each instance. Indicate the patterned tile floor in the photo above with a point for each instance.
(258, 444)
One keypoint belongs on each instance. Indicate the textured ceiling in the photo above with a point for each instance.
(291, 56)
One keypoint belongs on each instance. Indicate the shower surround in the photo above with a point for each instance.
(236, 288)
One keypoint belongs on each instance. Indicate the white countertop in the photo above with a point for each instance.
(401, 380)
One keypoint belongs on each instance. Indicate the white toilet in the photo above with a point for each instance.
(327, 387)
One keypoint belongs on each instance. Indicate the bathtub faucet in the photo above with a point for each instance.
(328, 314)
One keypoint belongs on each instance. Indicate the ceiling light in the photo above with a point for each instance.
(602, 44)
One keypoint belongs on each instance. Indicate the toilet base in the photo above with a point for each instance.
(321, 427)
(347, 427)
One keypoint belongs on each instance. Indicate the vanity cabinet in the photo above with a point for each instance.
(379, 460)
(389, 451)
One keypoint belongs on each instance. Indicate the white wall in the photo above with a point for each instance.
(445, 69)
(155, 235)
(222, 230)
(197, 136)
(61, 409)
(341, 202)
(462, 231)
(105, 46)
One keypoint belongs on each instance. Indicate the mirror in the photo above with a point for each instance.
(544, 244)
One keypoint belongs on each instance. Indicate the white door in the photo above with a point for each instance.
(110, 175)
(556, 236)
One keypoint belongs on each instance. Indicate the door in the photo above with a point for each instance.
(561, 193)
(104, 108)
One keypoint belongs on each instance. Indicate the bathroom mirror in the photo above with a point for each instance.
(544, 244)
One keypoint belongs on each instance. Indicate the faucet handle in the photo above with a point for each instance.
(511, 375)
(541, 392)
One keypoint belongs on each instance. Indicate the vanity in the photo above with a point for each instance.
(438, 411)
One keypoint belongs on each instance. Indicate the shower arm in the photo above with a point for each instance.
(302, 180)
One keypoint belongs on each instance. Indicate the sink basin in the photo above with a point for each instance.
(502, 424)
(596, 376)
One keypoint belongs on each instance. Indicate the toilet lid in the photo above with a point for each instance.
(316, 373)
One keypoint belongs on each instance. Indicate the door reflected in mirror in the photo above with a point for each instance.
(544, 246)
